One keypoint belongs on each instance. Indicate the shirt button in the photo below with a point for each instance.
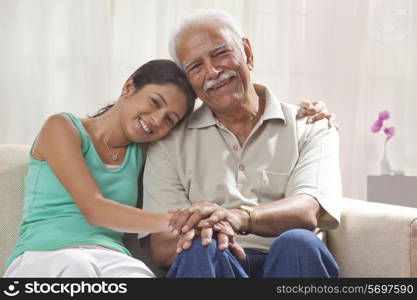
(241, 167)
(235, 147)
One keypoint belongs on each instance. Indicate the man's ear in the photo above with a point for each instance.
(128, 88)
(248, 52)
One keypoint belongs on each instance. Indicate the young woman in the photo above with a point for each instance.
(82, 183)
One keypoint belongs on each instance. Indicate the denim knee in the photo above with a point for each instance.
(296, 239)
(200, 251)
(300, 253)
(206, 262)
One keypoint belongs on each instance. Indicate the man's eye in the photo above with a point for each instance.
(194, 68)
(221, 53)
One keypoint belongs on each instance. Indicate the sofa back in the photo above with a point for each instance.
(13, 168)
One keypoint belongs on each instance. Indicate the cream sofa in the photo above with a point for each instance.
(374, 240)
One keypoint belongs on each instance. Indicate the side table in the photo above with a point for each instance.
(396, 189)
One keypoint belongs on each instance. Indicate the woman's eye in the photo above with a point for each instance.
(155, 102)
(170, 121)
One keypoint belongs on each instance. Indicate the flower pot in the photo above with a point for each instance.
(385, 163)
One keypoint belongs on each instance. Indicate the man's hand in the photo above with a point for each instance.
(225, 239)
(316, 110)
(185, 219)
(202, 219)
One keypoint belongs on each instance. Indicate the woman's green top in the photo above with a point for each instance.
(52, 220)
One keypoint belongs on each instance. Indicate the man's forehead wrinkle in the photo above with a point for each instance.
(197, 36)
(219, 46)
(222, 45)
(196, 40)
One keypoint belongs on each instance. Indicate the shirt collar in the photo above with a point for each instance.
(203, 116)
(273, 109)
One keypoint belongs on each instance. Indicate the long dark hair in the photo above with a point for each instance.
(160, 71)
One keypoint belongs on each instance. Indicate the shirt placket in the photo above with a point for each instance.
(237, 152)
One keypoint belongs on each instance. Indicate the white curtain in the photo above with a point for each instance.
(359, 56)
(54, 56)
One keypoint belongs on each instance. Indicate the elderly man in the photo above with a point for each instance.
(245, 160)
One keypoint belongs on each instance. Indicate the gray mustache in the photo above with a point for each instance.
(223, 76)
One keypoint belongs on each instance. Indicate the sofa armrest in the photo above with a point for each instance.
(375, 240)
(13, 168)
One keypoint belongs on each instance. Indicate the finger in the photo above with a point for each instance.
(319, 106)
(172, 220)
(181, 219)
(301, 113)
(225, 228)
(307, 105)
(222, 241)
(173, 210)
(231, 221)
(185, 241)
(332, 121)
(198, 211)
(215, 218)
(192, 221)
(330, 124)
(188, 239)
(179, 213)
(220, 229)
(221, 215)
(206, 236)
(316, 117)
(199, 214)
(237, 250)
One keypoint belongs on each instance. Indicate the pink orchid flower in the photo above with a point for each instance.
(389, 132)
(378, 124)
(383, 115)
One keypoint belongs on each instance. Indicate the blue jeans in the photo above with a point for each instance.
(295, 253)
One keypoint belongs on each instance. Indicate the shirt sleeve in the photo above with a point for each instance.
(162, 186)
(317, 171)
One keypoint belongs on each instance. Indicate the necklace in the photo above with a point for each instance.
(114, 157)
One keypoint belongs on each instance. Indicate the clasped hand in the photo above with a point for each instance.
(206, 220)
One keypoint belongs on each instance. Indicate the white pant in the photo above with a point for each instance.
(77, 261)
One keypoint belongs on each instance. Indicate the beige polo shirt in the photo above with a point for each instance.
(201, 160)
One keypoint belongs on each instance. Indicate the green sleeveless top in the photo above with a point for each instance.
(52, 220)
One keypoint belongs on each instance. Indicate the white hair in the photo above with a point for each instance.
(203, 17)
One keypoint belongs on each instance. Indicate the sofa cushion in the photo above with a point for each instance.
(13, 169)
(375, 240)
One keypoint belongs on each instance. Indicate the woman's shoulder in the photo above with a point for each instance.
(60, 126)
(62, 121)
(56, 129)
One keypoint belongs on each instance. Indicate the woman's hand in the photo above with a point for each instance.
(316, 110)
